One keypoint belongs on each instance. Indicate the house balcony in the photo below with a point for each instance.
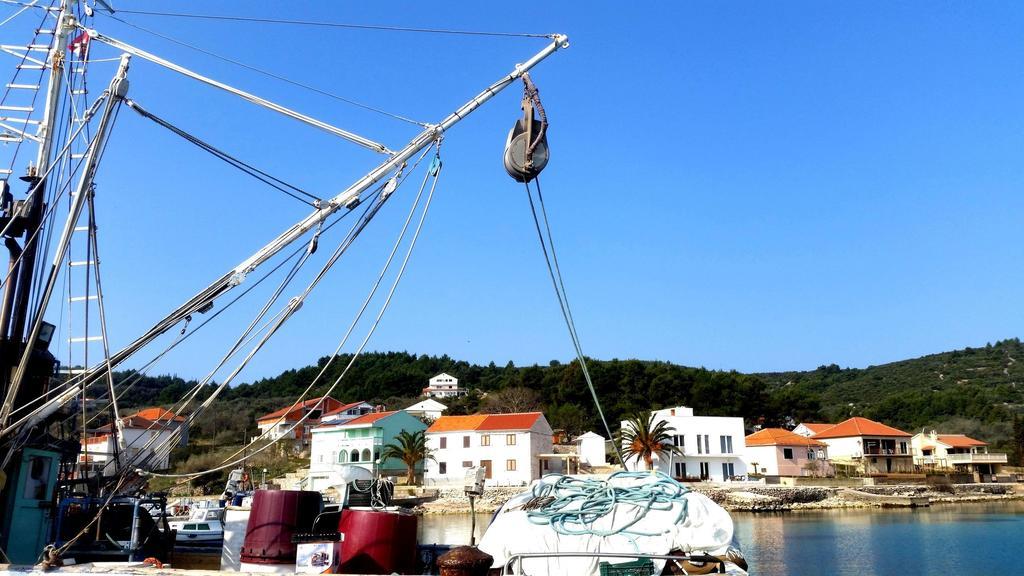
(884, 452)
(993, 458)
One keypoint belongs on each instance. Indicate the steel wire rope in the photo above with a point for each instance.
(269, 74)
(556, 280)
(76, 380)
(7, 91)
(381, 28)
(184, 336)
(348, 333)
(241, 341)
(368, 214)
(256, 173)
(362, 345)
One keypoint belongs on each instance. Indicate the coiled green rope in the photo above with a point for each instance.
(572, 505)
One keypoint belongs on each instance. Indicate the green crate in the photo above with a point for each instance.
(642, 567)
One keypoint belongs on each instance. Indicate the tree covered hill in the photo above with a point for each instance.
(975, 390)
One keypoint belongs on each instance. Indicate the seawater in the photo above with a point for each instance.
(978, 538)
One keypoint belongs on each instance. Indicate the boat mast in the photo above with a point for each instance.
(205, 298)
(15, 315)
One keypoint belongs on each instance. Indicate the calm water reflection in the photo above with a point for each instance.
(943, 539)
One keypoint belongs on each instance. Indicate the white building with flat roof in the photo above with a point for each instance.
(711, 447)
(428, 409)
(443, 385)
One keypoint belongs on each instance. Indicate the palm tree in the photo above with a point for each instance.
(642, 438)
(411, 449)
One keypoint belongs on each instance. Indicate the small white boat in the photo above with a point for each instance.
(202, 525)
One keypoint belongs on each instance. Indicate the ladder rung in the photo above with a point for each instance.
(85, 339)
(30, 67)
(79, 92)
(78, 70)
(82, 263)
(76, 156)
(83, 298)
(10, 108)
(30, 47)
(18, 120)
(6, 171)
(81, 228)
(23, 86)
(44, 31)
(9, 138)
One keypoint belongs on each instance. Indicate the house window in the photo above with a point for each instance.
(810, 454)
(726, 444)
(510, 465)
(444, 442)
(680, 469)
(465, 441)
(727, 470)
(510, 439)
(366, 455)
(342, 457)
(467, 463)
(787, 453)
(705, 446)
(354, 456)
(485, 439)
(679, 441)
(903, 447)
(442, 468)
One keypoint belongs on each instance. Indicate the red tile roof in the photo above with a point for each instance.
(780, 437)
(341, 409)
(516, 421)
(816, 427)
(294, 413)
(369, 418)
(159, 414)
(858, 426)
(960, 441)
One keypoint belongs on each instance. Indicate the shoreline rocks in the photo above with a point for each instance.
(758, 498)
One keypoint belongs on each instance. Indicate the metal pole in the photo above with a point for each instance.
(351, 137)
(117, 90)
(236, 276)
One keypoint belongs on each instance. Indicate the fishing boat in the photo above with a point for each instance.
(53, 447)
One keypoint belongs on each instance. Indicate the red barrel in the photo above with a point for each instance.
(275, 516)
(377, 542)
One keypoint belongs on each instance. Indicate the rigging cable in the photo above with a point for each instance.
(381, 28)
(271, 74)
(435, 172)
(249, 169)
(358, 316)
(563, 302)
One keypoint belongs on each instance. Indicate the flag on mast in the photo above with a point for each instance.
(80, 45)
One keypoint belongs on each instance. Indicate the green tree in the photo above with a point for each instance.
(411, 449)
(643, 438)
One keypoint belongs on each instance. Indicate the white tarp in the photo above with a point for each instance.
(705, 528)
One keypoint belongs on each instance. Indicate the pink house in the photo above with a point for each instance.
(778, 452)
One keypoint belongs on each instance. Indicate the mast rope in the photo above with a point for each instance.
(269, 74)
(268, 179)
(345, 25)
(351, 327)
(373, 326)
(555, 272)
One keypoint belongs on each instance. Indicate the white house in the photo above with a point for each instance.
(868, 446)
(808, 429)
(144, 435)
(711, 446)
(343, 414)
(591, 448)
(357, 442)
(428, 409)
(956, 452)
(286, 420)
(443, 385)
(778, 452)
(507, 446)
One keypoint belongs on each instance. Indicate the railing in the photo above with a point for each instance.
(885, 452)
(993, 458)
(514, 564)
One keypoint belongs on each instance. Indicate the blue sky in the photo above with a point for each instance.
(743, 186)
